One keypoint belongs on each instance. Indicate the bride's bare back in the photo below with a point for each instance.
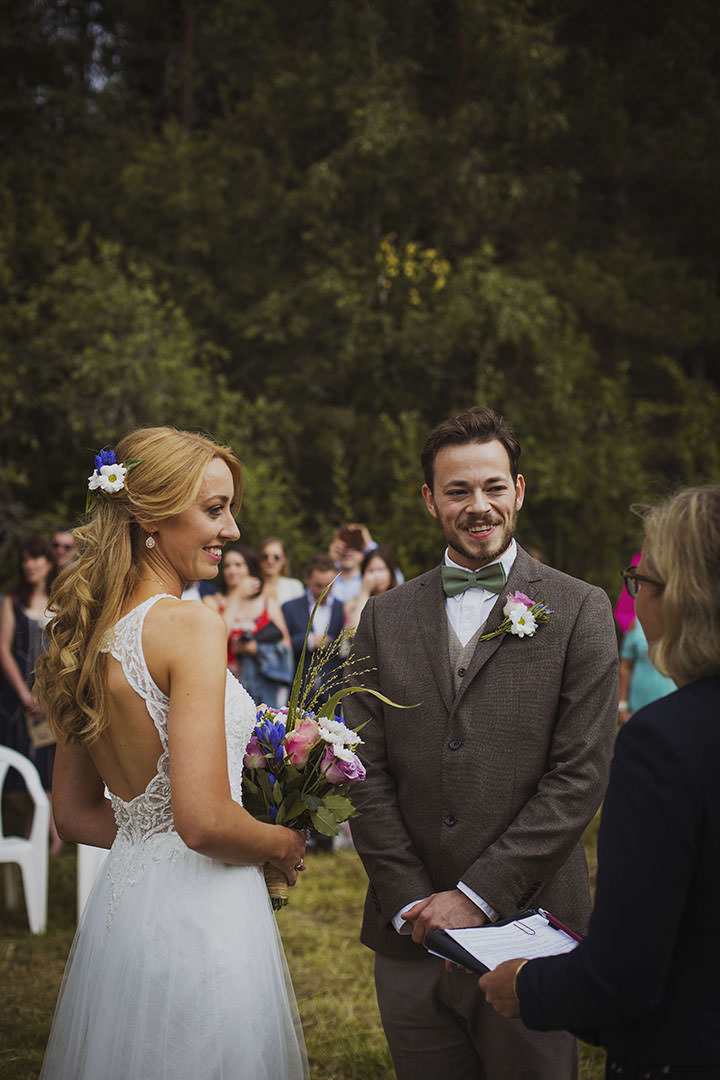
(127, 752)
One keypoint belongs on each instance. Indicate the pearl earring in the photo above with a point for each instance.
(150, 542)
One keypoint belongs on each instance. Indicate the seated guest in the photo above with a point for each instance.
(259, 653)
(644, 982)
(377, 575)
(329, 617)
(277, 584)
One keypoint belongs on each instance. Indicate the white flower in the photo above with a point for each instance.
(343, 752)
(337, 734)
(522, 621)
(110, 478)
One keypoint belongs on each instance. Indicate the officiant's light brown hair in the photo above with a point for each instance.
(682, 547)
(477, 425)
(88, 598)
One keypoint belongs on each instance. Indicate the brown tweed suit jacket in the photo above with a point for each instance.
(493, 785)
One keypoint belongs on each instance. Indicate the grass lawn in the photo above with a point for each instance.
(332, 973)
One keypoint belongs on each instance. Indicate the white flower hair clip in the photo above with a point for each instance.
(109, 476)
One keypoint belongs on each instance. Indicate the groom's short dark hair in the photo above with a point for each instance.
(478, 425)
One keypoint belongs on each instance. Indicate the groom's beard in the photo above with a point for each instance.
(482, 552)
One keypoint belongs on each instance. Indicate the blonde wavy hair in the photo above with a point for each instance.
(90, 595)
(682, 546)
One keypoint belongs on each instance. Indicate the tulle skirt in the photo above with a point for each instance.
(177, 972)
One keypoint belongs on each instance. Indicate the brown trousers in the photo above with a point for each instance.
(438, 1027)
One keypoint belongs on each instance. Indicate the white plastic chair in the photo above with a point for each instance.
(31, 855)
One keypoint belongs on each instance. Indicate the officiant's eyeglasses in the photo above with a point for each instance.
(632, 581)
(269, 556)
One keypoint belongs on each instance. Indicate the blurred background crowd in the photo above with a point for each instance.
(267, 611)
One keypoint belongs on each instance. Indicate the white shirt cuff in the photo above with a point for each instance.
(478, 901)
(402, 925)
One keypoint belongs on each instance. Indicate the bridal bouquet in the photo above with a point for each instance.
(300, 762)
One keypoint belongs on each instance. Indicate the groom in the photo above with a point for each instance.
(475, 802)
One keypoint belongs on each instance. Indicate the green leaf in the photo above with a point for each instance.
(339, 805)
(325, 822)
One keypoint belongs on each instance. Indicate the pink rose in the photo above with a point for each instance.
(254, 757)
(300, 742)
(517, 599)
(342, 770)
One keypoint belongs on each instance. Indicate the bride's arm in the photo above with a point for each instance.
(206, 816)
(82, 813)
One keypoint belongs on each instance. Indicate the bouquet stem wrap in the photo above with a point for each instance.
(277, 886)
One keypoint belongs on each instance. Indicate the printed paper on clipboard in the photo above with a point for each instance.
(481, 948)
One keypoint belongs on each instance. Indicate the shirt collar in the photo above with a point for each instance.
(507, 559)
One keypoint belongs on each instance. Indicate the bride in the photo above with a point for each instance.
(177, 971)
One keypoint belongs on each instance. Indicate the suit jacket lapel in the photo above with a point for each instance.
(433, 623)
(523, 575)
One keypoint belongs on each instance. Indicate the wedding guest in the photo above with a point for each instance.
(347, 549)
(329, 617)
(476, 801)
(177, 969)
(198, 590)
(23, 617)
(377, 572)
(640, 681)
(254, 624)
(644, 981)
(624, 610)
(277, 583)
(63, 548)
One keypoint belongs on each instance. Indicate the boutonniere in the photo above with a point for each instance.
(522, 616)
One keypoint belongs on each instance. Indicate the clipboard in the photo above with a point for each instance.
(531, 933)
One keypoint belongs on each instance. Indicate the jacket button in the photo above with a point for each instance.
(455, 744)
(461, 671)
(450, 819)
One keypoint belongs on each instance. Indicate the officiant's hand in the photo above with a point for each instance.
(500, 988)
(441, 911)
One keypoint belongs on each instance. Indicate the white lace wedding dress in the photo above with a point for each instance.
(177, 971)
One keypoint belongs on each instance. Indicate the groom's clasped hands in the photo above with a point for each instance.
(443, 911)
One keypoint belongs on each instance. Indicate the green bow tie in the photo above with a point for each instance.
(456, 581)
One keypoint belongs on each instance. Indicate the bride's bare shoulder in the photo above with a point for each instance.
(183, 623)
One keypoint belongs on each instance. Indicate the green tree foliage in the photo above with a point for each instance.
(318, 229)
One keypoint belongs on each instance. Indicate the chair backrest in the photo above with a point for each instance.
(12, 759)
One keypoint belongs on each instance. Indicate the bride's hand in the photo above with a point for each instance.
(293, 859)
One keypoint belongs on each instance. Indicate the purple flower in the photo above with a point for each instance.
(254, 756)
(105, 457)
(341, 770)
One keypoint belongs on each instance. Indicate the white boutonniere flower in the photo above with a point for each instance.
(523, 616)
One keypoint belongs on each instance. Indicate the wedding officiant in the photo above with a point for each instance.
(645, 981)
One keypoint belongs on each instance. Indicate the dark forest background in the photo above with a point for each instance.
(315, 229)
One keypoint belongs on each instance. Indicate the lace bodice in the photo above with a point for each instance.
(150, 813)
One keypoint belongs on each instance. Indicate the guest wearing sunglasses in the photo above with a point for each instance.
(63, 548)
(275, 568)
(644, 982)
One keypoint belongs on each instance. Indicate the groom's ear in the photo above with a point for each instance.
(519, 491)
(429, 500)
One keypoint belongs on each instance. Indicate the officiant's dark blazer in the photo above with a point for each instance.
(492, 785)
(646, 982)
